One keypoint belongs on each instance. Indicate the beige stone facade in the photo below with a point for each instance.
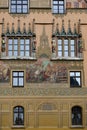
(47, 101)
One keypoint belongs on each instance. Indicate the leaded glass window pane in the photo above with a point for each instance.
(19, 6)
(58, 6)
(18, 47)
(18, 79)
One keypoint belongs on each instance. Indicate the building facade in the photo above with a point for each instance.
(43, 64)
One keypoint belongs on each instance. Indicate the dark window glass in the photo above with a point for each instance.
(76, 115)
(19, 6)
(18, 79)
(58, 6)
(18, 115)
(75, 79)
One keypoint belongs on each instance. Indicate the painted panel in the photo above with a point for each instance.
(76, 4)
(4, 3)
(40, 3)
(45, 71)
(4, 73)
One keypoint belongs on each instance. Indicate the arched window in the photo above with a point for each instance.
(18, 118)
(76, 115)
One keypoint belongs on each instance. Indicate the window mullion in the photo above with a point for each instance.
(69, 47)
(18, 46)
(76, 48)
(63, 47)
(22, 6)
(16, 6)
(12, 46)
(24, 46)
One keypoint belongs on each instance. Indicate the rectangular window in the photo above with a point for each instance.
(75, 79)
(17, 79)
(58, 6)
(66, 48)
(18, 47)
(72, 48)
(19, 6)
(60, 48)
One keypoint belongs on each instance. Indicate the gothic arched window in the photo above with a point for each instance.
(18, 113)
(76, 115)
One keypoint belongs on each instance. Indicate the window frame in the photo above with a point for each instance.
(18, 112)
(58, 5)
(75, 77)
(69, 47)
(21, 5)
(76, 112)
(18, 44)
(17, 77)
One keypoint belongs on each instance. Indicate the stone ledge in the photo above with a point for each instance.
(43, 92)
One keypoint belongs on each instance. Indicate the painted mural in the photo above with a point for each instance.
(4, 73)
(46, 71)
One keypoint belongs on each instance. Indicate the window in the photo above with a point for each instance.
(17, 79)
(13, 47)
(18, 113)
(76, 115)
(18, 47)
(66, 48)
(19, 6)
(75, 79)
(58, 6)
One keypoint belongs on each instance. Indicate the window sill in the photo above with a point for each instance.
(75, 86)
(18, 58)
(67, 58)
(19, 13)
(18, 127)
(77, 126)
(58, 13)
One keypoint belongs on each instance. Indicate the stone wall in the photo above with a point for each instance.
(41, 113)
(47, 4)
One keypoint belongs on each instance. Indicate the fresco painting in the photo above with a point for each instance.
(46, 71)
(4, 73)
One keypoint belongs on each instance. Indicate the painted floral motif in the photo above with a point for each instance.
(45, 71)
(4, 73)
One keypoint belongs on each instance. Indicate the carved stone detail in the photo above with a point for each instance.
(44, 49)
